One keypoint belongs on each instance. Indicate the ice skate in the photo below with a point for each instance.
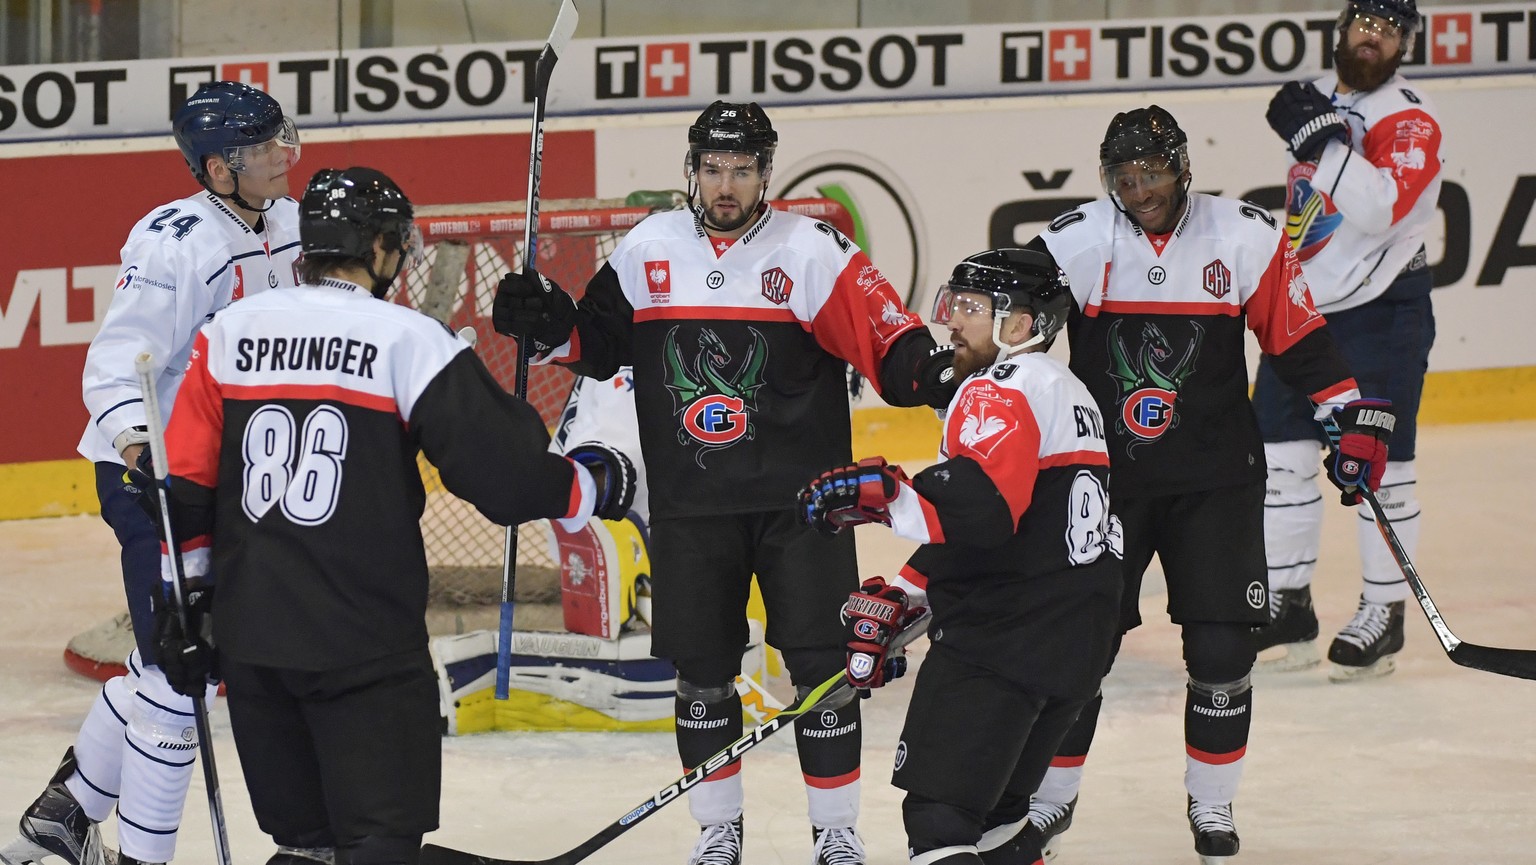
(55, 825)
(1292, 628)
(1047, 821)
(1367, 646)
(837, 846)
(1215, 832)
(303, 856)
(719, 844)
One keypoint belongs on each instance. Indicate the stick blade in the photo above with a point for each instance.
(433, 854)
(1518, 663)
(565, 27)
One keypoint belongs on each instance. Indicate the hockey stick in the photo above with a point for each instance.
(1519, 663)
(559, 37)
(144, 366)
(831, 689)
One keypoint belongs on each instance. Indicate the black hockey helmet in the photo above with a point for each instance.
(1014, 279)
(1142, 133)
(227, 118)
(733, 127)
(1400, 14)
(343, 211)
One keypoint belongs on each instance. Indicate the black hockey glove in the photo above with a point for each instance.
(532, 306)
(936, 377)
(849, 495)
(1305, 119)
(872, 616)
(187, 659)
(1360, 456)
(614, 475)
(140, 479)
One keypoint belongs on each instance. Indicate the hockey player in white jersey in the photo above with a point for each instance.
(1165, 282)
(182, 262)
(1020, 561)
(1364, 181)
(739, 321)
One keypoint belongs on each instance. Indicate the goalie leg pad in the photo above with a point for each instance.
(1399, 497)
(159, 752)
(99, 746)
(1293, 513)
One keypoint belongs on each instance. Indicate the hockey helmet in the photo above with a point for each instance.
(1386, 17)
(342, 211)
(733, 127)
(234, 121)
(1145, 147)
(1014, 279)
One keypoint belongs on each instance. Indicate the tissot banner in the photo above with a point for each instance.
(792, 67)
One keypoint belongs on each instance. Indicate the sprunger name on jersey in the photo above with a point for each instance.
(351, 356)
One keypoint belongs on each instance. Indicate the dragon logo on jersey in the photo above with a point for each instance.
(1310, 217)
(713, 404)
(1149, 381)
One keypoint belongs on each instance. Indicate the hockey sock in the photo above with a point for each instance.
(708, 720)
(1293, 513)
(99, 746)
(1216, 721)
(1065, 775)
(158, 756)
(1399, 497)
(829, 742)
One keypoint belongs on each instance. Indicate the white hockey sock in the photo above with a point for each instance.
(1061, 782)
(833, 807)
(159, 753)
(1399, 497)
(99, 746)
(1293, 513)
(716, 799)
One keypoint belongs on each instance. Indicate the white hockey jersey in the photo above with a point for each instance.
(1358, 215)
(182, 262)
(1157, 336)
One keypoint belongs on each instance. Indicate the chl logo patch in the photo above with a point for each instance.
(1218, 279)
(777, 285)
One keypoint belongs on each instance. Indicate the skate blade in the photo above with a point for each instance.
(1215, 860)
(23, 851)
(1383, 666)
(1298, 656)
(1050, 848)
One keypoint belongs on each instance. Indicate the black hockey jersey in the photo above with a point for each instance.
(1021, 553)
(1157, 336)
(293, 450)
(739, 355)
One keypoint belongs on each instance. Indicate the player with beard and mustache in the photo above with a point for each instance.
(1360, 196)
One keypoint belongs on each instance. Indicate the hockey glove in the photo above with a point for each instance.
(139, 479)
(873, 615)
(1360, 456)
(1305, 119)
(852, 494)
(614, 475)
(533, 307)
(936, 377)
(187, 659)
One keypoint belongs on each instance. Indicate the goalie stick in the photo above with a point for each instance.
(1519, 663)
(559, 37)
(144, 367)
(837, 686)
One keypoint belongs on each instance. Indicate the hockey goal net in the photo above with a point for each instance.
(468, 248)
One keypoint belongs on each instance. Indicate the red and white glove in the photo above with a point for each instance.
(852, 494)
(1360, 456)
(874, 615)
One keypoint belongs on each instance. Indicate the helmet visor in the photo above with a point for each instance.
(963, 301)
(273, 156)
(413, 250)
(1149, 173)
(1379, 26)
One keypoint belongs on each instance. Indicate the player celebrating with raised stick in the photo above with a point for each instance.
(182, 262)
(738, 320)
(1164, 282)
(1020, 562)
(295, 487)
(1361, 195)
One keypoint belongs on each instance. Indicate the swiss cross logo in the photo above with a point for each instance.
(777, 285)
(666, 69)
(1070, 57)
(254, 74)
(1218, 279)
(1450, 38)
(658, 277)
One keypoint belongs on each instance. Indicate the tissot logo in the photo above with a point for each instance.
(1048, 55)
(664, 70)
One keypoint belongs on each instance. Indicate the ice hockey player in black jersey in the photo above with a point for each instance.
(739, 321)
(1020, 562)
(297, 498)
(1164, 283)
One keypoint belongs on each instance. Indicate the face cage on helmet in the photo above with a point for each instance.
(1381, 26)
(282, 148)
